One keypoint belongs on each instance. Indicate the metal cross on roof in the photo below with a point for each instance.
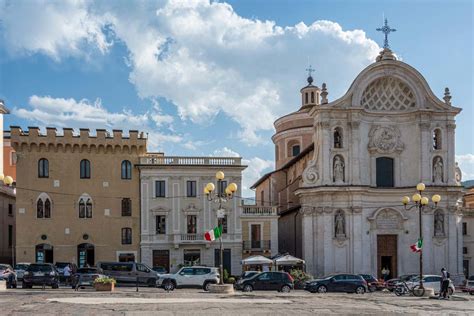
(310, 70)
(386, 30)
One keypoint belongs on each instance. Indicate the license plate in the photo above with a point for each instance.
(38, 274)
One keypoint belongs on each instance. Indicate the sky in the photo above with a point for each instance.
(210, 78)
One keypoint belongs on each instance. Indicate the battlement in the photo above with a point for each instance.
(69, 140)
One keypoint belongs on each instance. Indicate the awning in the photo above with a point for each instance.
(257, 260)
(288, 260)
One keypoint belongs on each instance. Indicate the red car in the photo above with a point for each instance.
(372, 283)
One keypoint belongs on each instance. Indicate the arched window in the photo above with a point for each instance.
(337, 137)
(126, 236)
(437, 139)
(384, 172)
(47, 208)
(295, 150)
(312, 96)
(85, 169)
(306, 98)
(85, 207)
(43, 206)
(277, 156)
(43, 168)
(39, 209)
(126, 170)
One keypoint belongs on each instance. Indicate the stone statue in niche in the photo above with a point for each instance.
(437, 170)
(458, 174)
(340, 224)
(439, 224)
(338, 169)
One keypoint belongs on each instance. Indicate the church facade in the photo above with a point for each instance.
(371, 147)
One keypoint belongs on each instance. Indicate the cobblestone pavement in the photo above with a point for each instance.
(126, 301)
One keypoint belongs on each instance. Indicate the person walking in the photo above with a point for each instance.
(443, 293)
(385, 273)
(67, 274)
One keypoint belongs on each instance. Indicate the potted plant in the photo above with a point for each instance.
(300, 278)
(104, 284)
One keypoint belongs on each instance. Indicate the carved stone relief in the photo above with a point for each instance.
(388, 219)
(385, 139)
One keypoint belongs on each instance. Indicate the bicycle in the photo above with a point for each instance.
(403, 289)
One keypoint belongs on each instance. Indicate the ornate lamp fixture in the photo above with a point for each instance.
(420, 201)
(6, 180)
(221, 196)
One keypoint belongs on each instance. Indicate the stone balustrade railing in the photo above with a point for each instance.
(256, 210)
(181, 160)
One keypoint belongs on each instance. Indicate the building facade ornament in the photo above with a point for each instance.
(310, 174)
(458, 174)
(340, 224)
(439, 223)
(438, 170)
(385, 139)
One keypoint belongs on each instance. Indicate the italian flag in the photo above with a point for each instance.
(417, 247)
(213, 234)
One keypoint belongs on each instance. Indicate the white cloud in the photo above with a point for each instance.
(466, 163)
(257, 167)
(200, 55)
(55, 28)
(47, 111)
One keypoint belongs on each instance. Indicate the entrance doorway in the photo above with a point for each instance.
(387, 249)
(161, 258)
(44, 253)
(85, 255)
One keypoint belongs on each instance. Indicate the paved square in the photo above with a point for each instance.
(126, 301)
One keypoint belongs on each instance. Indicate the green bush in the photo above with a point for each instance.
(226, 275)
(105, 280)
(230, 280)
(300, 276)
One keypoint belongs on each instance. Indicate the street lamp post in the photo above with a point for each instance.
(8, 181)
(221, 196)
(420, 202)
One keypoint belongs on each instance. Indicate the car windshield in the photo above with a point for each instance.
(39, 268)
(61, 265)
(21, 266)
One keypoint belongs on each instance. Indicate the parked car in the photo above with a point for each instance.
(41, 274)
(431, 281)
(20, 269)
(338, 283)
(160, 270)
(8, 274)
(85, 277)
(470, 285)
(190, 277)
(372, 283)
(129, 272)
(392, 283)
(248, 274)
(279, 281)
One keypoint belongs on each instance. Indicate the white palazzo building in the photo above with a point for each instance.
(371, 147)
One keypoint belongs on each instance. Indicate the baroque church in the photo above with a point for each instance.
(343, 167)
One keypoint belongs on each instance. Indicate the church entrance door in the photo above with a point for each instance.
(387, 249)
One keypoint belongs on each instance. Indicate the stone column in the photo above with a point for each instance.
(326, 162)
(449, 164)
(425, 155)
(354, 160)
(308, 239)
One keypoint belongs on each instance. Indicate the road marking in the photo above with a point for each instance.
(133, 300)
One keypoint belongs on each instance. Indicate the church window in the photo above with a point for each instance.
(295, 150)
(262, 197)
(85, 167)
(384, 172)
(306, 98)
(43, 168)
(126, 207)
(338, 137)
(437, 139)
(276, 153)
(126, 236)
(39, 209)
(312, 96)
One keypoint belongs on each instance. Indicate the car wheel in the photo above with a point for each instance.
(206, 286)
(169, 286)
(248, 288)
(285, 289)
(55, 286)
(360, 290)
(24, 285)
(322, 289)
(471, 293)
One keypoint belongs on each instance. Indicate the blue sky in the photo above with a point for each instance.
(210, 78)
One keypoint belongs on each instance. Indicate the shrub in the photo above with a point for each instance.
(230, 280)
(226, 275)
(300, 276)
(105, 280)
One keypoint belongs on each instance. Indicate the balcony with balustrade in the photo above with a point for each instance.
(192, 238)
(258, 211)
(160, 160)
(256, 245)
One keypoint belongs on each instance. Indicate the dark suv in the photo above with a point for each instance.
(279, 281)
(338, 283)
(41, 274)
